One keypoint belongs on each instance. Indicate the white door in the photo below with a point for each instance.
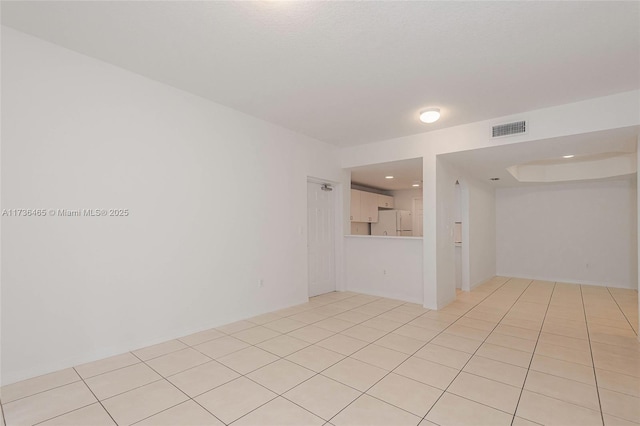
(320, 239)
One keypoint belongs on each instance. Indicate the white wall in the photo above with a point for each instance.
(403, 199)
(481, 232)
(479, 237)
(217, 201)
(384, 266)
(592, 115)
(582, 232)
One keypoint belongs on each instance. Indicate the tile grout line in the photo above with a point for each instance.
(140, 361)
(245, 375)
(281, 395)
(331, 316)
(534, 352)
(80, 408)
(621, 310)
(593, 364)
(43, 391)
(179, 390)
(439, 333)
(344, 357)
(474, 353)
(4, 420)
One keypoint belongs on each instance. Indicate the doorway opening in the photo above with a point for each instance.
(321, 225)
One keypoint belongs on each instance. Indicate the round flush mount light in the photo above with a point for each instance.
(388, 177)
(568, 156)
(430, 115)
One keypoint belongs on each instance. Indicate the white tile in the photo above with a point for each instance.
(234, 327)
(445, 356)
(454, 410)
(283, 345)
(322, 396)
(108, 364)
(201, 337)
(235, 399)
(188, 413)
(140, 403)
(46, 405)
(281, 375)
(122, 380)
(256, 335)
(342, 344)
(369, 411)
(93, 415)
(248, 359)
(221, 347)
(380, 356)
(311, 334)
(427, 372)
(178, 361)
(160, 349)
(354, 373)
(496, 370)
(203, 378)
(279, 412)
(405, 393)
(38, 384)
(485, 391)
(545, 410)
(315, 358)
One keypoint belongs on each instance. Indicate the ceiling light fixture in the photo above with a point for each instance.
(494, 178)
(388, 177)
(430, 115)
(416, 184)
(568, 156)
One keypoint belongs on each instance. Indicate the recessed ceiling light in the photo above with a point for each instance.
(388, 177)
(430, 115)
(568, 156)
(416, 184)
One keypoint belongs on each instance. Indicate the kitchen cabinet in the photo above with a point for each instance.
(385, 201)
(360, 228)
(355, 206)
(364, 206)
(369, 207)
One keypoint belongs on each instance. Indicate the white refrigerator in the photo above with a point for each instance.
(393, 222)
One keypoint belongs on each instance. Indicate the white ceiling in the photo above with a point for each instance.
(355, 72)
(485, 163)
(405, 173)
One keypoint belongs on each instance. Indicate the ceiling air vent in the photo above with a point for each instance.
(515, 128)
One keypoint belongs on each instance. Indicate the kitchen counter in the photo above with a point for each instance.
(393, 237)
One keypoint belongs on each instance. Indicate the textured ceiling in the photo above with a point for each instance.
(355, 72)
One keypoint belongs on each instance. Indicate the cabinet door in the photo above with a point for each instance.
(359, 228)
(369, 207)
(355, 206)
(385, 201)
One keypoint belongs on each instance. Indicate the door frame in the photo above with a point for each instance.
(464, 206)
(339, 227)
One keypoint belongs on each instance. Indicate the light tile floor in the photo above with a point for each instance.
(511, 352)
